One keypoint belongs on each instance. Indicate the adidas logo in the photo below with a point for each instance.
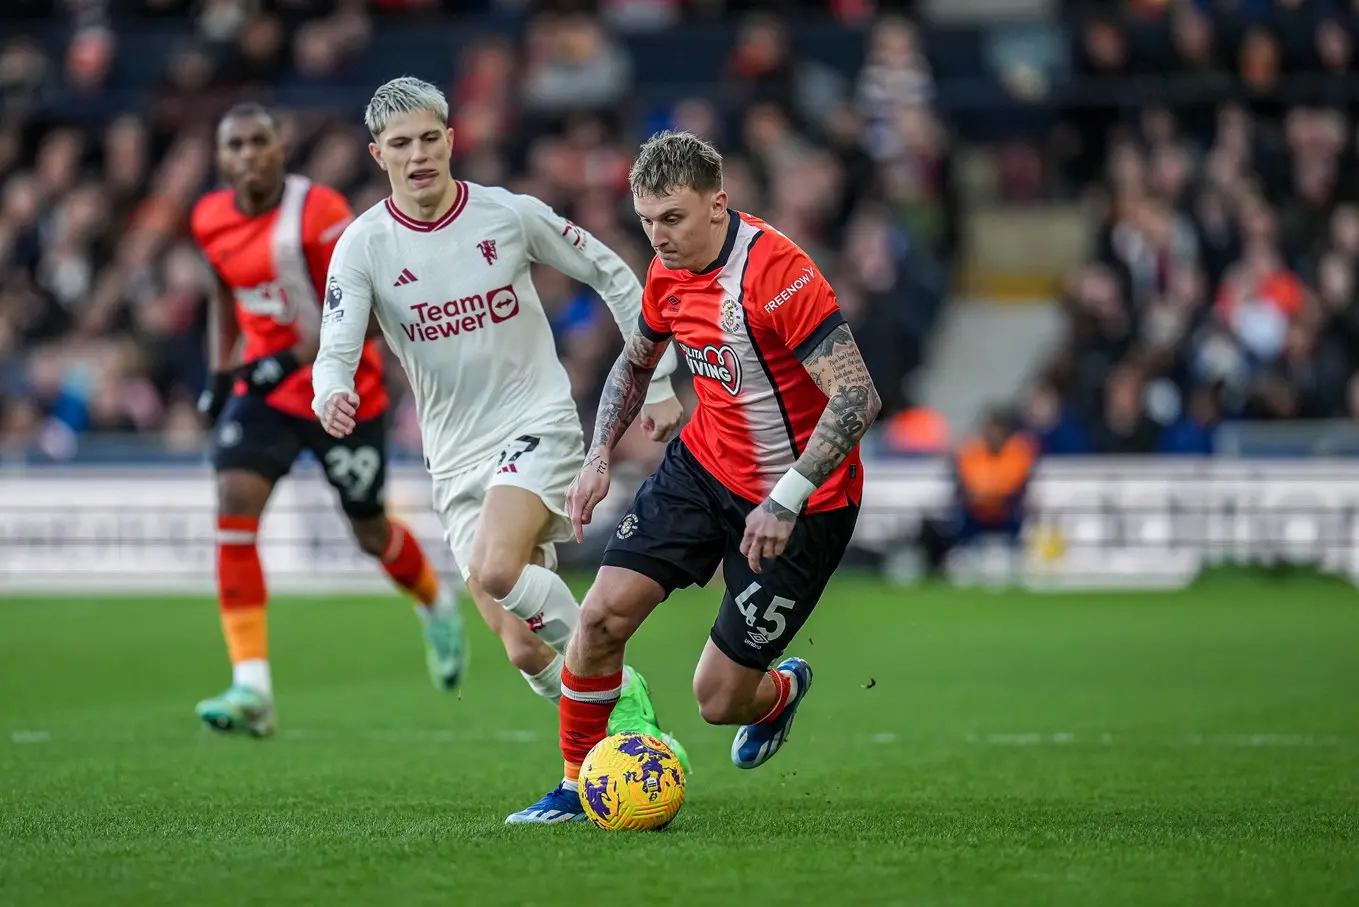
(405, 278)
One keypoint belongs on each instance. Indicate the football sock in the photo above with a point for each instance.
(253, 673)
(784, 685)
(544, 600)
(406, 564)
(547, 683)
(241, 596)
(583, 712)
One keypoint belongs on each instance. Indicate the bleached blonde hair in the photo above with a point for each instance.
(399, 97)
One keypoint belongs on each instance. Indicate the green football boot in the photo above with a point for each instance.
(241, 710)
(634, 713)
(445, 641)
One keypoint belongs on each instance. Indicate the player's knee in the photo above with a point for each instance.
(606, 622)
(241, 494)
(371, 535)
(497, 574)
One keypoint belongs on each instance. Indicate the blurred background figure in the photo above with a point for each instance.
(991, 474)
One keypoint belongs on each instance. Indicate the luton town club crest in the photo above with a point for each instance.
(731, 319)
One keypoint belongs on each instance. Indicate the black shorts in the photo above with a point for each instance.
(254, 437)
(683, 523)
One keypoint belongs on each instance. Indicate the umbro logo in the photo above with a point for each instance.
(405, 278)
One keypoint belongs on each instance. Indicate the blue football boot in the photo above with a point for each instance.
(560, 805)
(756, 744)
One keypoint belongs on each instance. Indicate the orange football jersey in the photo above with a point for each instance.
(744, 326)
(275, 267)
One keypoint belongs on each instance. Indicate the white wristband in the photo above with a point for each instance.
(792, 490)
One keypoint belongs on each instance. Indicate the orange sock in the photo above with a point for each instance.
(406, 564)
(583, 713)
(241, 593)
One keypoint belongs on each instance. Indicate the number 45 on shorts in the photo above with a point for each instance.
(768, 627)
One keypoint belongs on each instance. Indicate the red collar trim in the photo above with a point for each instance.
(429, 226)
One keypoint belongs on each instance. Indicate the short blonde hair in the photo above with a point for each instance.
(401, 96)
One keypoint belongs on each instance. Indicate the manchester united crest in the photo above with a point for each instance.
(487, 249)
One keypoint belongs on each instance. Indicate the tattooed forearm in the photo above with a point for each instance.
(838, 369)
(625, 391)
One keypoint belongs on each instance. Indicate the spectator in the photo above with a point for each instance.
(991, 475)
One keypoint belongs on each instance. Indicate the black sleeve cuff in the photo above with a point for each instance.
(818, 334)
(649, 332)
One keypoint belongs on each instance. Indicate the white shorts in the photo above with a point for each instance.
(543, 461)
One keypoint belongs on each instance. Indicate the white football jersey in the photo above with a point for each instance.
(456, 305)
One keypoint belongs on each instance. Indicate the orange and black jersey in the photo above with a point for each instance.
(744, 326)
(275, 266)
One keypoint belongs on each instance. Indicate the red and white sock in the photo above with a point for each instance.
(785, 687)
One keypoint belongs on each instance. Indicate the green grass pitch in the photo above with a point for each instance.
(959, 748)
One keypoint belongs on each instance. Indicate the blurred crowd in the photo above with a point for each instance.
(1227, 218)
(1223, 202)
(102, 294)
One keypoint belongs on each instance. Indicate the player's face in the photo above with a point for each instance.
(415, 150)
(250, 155)
(683, 226)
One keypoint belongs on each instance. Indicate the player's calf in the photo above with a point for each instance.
(539, 665)
(729, 692)
(764, 702)
(242, 595)
(592, 679)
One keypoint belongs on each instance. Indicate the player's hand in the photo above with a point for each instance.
(659, 420)
(591, 487)
(214, 397)
(768, 529)
(338, 416)
(266, 373)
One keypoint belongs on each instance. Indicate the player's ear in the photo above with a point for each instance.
(719, 206)
(450, 138)
(376, 152)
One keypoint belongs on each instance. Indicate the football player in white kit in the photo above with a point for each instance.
(442, 267)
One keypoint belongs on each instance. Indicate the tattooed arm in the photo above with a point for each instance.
(623, 397)
(853, 403)
(624, 392)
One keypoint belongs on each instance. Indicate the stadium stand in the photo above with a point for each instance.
(106, 141)
(1180, 178)
(1221, 285)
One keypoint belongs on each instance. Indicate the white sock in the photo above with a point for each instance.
(568, 784)
(253, 673)
(541, 598)
(547, 683)
(446, 600)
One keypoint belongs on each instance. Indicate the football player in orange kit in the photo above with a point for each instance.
(269, 238)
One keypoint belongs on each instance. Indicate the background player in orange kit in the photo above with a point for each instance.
(765, 480)
(269, 238)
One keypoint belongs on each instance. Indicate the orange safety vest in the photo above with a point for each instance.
(991, 479)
